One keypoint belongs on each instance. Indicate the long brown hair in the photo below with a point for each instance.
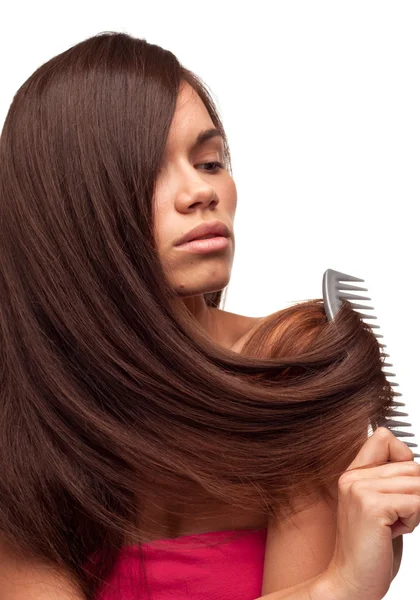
(110, 393)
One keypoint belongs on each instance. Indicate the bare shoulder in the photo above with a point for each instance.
(23, 580)
(249, 324)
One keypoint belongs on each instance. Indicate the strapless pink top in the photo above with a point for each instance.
(193, 567)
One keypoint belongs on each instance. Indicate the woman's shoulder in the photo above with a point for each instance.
(249, 325)
(23, 580)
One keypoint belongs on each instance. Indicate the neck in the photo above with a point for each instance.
(221, 326)
(205, 315)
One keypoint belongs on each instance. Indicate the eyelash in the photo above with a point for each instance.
(219, 167)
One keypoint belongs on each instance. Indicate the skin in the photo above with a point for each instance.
(187, 193)
(184, 188)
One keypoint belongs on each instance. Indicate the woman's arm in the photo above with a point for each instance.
(321, 587)
(301, 548)
(23, 580)
(300, 551)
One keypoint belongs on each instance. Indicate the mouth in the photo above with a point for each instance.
(209, 236)
(208, 244)
(205, 230)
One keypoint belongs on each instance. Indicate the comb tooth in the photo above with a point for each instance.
(345, 277)
(363, 307)
(401, 434)
(392, 423)
(367, 316)
(398, 434)
(410, 445)
(353, 296)
(386, 422)
(343, 286)
(397, 413)
(334, 292)
(394, 402)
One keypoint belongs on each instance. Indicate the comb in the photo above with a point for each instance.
(335, 288)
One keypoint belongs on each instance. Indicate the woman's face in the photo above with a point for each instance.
(188, 193)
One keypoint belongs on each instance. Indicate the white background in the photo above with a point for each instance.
(320, 101)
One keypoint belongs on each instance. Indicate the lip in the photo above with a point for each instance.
(207, 246)
(205, 228)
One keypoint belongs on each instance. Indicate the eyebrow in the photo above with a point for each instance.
(205, 135)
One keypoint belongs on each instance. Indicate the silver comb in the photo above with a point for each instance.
(334, 291)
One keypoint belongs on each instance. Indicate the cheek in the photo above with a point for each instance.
(233, 198)
(232, 192)
(162, 232)
(158, 211)
(157, 226)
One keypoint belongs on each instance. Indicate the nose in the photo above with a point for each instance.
(203, 196)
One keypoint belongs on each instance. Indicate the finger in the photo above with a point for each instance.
(409, 468)
(392, 485)
(402, 507)
(382, 446)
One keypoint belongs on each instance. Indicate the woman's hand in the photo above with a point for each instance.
(378, 501)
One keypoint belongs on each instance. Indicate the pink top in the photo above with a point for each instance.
(189, 567)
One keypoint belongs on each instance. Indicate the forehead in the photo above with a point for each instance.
(191, 116)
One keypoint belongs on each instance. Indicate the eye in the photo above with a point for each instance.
(215, 169)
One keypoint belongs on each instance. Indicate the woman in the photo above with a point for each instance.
(134, 408)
